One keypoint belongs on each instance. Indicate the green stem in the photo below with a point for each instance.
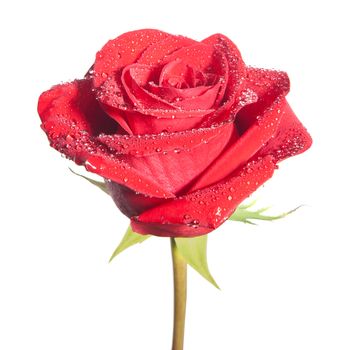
(180, 293)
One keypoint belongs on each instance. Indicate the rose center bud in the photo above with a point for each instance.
(180, 75)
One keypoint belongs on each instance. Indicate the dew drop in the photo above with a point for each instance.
(69, 138)
(187, 218)
(194, 223)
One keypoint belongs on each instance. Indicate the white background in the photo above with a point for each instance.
(285, 285)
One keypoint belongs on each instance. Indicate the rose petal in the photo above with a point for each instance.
(236, 71)
(118, 116)
(200, 212)
(290, 139)
(121, 172)
(141, 99)
(75, 102)
(144, 145)
(268, 85)
(176, 74)
(128, 201)
(151, 114)
(174, 159)
(155, 121)
(122, 51)
(199, 56)
(152, 121)
(71, 117)
(204, 101)
(258, 123)
(155, 53)
(239, 152)
(171, 94)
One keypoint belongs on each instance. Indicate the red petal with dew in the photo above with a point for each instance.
(290, 139)
(124, 50)
(200, 212)
(175, 159)
(258, 122)
(71, 118)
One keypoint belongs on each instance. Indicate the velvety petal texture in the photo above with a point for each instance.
(181, 130)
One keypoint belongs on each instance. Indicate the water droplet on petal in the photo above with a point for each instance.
(194, 223)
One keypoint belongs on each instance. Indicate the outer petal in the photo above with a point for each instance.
(122, 173)
(268, 85)
(122, 51)
(70, 117)
(76, 103)
(129, 202)
(153, 121)
(200, 212)
(290, 139)
(143, 145)
(174, 159)
(258, 122)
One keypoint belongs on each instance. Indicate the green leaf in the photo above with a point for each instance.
(130, 238)
(194, 251)
(248, 205)
(101, 185)
(244, 215)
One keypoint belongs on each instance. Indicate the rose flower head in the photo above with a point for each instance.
(182, 131)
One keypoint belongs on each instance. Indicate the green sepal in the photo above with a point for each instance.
(130, 238)
(194, 251)
(245, 215)
(100, 184)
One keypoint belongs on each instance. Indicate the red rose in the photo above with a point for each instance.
(181, 130)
